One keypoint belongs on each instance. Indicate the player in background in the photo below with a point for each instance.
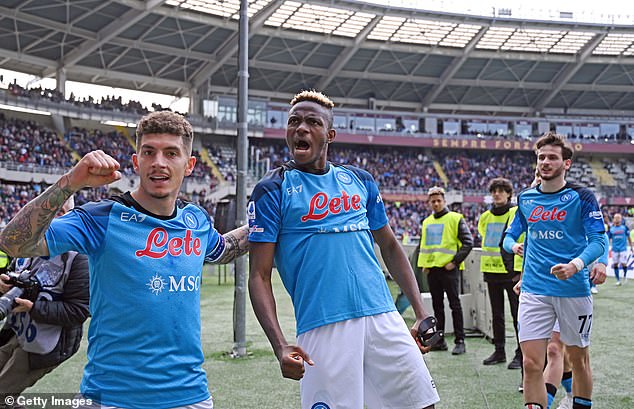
(564, 233)
(146, 251)
(619, 236)
(318, 221)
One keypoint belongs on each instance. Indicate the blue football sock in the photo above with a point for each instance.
(581, 403)
(566, 381)
(616, 272)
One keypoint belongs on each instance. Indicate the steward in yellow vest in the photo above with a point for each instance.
(499, 267)
(444, 244)
(4, 262)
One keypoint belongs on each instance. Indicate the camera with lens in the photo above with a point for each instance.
(25, 285)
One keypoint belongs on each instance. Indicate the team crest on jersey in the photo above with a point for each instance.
(320, 405)
(344, 178)
(190, 219)
(565, 197)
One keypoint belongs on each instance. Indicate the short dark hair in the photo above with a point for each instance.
(317, 97)
(166, 122)
(552, 138)
(501, 183)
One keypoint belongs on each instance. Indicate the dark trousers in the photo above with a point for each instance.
(440, 282)
(496, 296)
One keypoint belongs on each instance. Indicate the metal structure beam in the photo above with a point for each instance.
(348, 53)
(453, 68)
(106, 34)
(230, 47)
(569, 71)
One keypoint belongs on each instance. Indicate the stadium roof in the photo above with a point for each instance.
(399, 58)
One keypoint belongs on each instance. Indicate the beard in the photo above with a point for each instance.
(555, 173)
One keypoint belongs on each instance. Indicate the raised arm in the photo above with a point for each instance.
(24, 234)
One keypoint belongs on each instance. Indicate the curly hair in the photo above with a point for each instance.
(166, 122)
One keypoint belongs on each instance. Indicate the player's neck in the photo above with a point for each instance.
(553, 185)
(161, 207)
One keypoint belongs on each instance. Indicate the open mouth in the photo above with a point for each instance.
(159, 178)
(301, 146)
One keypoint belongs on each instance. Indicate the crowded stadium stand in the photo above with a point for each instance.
(423, 98)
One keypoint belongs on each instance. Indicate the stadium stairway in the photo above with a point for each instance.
(603, 175)
(124, 131)
(204, 156)
(441, 172)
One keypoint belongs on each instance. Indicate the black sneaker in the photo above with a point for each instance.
(459, 349)
(520, 388)
(516, 363)
(497, 357)
(440, 346)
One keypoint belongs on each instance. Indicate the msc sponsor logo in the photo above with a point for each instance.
(184, 283)
(188, 283)
(344, 178)
(547, 234)
(565, 197)
(156, 284)
(595, 215)
(541, 214)
(190, 219)
(159, 244)
(321, 205)
(132, 217)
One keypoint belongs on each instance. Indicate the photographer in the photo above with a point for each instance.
(39, 335)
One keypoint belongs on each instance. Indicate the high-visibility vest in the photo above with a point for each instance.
(518, 261)
(439, 240)
(491, 228)
(4, 259)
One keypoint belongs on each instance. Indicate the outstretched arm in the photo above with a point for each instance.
(236, 245)
(24, 234)
(291, 357)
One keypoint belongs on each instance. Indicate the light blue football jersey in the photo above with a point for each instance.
(144, 345)
(325, 250)
(557, 226)
(619, 235)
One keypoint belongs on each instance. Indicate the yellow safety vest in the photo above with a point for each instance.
(439, 240)
(491, 228)
(4, 259)
(518, 261)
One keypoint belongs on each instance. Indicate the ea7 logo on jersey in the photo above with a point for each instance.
(132, 217)
(294, 189)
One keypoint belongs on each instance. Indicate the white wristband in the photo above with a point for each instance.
(579, 264)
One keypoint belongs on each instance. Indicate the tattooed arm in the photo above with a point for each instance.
(236, 244)
(24, 234)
